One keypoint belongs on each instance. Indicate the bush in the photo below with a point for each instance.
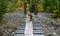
(52, 6)
(3, 7)
(11, 7)
(32, 8)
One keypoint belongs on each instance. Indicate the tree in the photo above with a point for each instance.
(28, 1)
(52, 6)
(32, 6)
(3, 7)
(36, 6)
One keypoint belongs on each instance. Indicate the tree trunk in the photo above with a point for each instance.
(36, 7)
(28, 1)
(25, 6)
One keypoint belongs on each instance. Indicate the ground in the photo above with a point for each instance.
(50, 25)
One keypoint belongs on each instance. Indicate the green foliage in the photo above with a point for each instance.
(32, 8)
(3, 7)
(52, 6)
(11, 7)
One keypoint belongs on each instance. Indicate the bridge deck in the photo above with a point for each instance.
(37, 29)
